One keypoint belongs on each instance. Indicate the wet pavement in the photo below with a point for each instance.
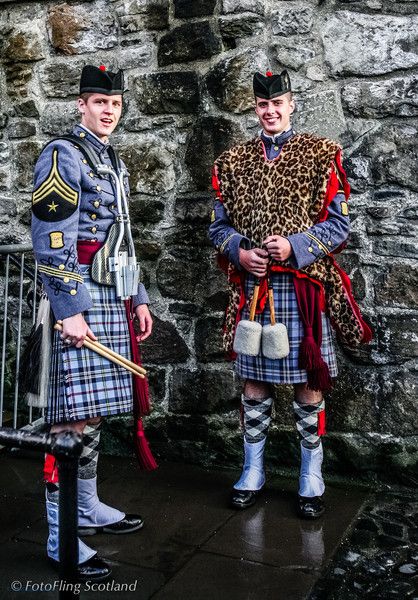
(193, 546)
(379, 560)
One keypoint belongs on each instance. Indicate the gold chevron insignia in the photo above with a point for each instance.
(55, 183)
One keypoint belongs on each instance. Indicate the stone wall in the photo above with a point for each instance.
(354, 68)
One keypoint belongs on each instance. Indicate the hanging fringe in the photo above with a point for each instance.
(30, 361)
(309, 351)
(142, 449)
(141, 403)
(319, 379)
(36, 358)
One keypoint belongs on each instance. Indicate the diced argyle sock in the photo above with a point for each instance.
(87, 468)
(257, 417)
(307, 417)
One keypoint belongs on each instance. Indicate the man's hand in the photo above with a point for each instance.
(278, 247)
(254, 261)
(75, 330)
(145, 321)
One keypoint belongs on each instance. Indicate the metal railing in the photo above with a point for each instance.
(66, 447)
(19, 273)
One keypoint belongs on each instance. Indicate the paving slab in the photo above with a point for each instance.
(192, 546)
(271, 533)
(21, 495)
(207, 576)
(181, 506)
(27, 575)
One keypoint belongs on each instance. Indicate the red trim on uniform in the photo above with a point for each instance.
(262, 296)
(86, 249)
(296, 273)
(333, 186)
(321, 423)
(367, 331)
(216, 183)
(222, 262)
(50, 469)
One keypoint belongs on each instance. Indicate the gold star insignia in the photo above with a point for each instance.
(52, 207)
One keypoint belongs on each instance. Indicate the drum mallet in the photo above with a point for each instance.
(275, 342)
(248, 333)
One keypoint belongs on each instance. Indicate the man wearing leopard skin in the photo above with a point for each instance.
(280, 215)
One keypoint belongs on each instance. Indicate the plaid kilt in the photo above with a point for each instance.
(83, 384)
(283, 370)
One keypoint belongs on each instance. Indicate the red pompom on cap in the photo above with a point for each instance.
(102, 68)
(269, 74)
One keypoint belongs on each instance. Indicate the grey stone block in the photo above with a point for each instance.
(158, 93)
(191, 41)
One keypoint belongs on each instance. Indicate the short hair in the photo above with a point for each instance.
(85, 96)
(289, 96)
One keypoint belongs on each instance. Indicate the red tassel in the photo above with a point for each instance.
(141, 392)
(308, 353)
(50, 469)
(142, 449)
(321, 423)
(319, 379)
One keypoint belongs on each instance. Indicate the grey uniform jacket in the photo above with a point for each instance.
(70, 203)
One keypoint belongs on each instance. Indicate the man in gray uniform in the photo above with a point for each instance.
(280, 215)
(72, 211)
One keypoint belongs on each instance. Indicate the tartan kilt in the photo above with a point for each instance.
(82, 383)
(283, 370)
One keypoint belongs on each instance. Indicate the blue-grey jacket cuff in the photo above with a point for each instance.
(300, 256)
(141, 297)
(70, 305)
(237, 242)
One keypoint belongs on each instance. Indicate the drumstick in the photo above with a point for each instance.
(271, 303)
(254, 300)
(128, 362)
(110, 355)
(116, 355)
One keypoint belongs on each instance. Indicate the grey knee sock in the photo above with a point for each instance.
(257, 417)
(87, 468)
(306, 417)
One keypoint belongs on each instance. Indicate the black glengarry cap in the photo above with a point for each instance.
(98, 80)
(270, 86)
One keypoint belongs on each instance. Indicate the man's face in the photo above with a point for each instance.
(274, 115)
(100, 113)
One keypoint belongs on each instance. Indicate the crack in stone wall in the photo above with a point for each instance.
(354, 69)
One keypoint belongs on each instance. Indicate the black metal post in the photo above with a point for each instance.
(66, 447)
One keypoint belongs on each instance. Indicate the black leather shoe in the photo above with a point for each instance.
(94, 569)
(128, 524)
(310, 508)
(243, 498)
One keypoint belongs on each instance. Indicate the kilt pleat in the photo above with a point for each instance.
(83, 384)
(284, 370)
